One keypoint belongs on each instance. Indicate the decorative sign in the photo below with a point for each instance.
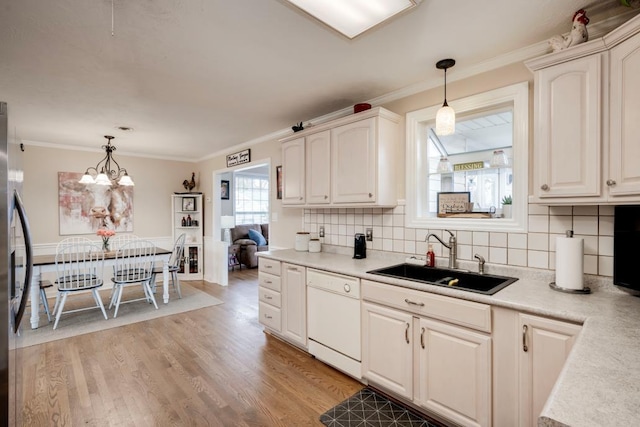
(460, 167)
(453, 202)
(239, 158)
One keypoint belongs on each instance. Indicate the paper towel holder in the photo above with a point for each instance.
(585, 290)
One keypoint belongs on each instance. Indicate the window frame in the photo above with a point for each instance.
(416, 172)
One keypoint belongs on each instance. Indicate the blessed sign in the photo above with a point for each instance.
(239, 158)
(468, 166)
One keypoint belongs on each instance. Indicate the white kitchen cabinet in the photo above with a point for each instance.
(454, 372)
(586, 108)
(353, 152)
(567, 129)
(387, 348)
(545, 347)
(187, 218)
(624, 164)
(350, 162)
(294, 303)
(270, 294)
(409, 351)
(293, 172)
(318, 166)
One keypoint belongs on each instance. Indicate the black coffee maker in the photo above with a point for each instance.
(359, 246)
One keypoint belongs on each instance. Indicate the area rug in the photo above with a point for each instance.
(367, 408)
(84, 322)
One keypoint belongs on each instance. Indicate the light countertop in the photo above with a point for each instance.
(600, 382)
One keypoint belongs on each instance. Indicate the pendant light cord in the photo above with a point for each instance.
(113, 22)
(445, 89)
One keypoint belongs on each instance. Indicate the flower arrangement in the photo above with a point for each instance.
(106, 234)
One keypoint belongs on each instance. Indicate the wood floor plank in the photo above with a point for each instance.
(209, 367)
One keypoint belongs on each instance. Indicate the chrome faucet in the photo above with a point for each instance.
(452, 246)
(480, 259)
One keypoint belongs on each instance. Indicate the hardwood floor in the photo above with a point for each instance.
(214, 366)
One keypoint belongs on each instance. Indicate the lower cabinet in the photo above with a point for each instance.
(546, 344)
(441, 367)
(294, 307)
(283, 300)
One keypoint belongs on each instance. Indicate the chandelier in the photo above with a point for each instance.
(107, 175)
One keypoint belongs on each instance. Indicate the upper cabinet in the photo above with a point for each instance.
(585, 136)
(349, 162)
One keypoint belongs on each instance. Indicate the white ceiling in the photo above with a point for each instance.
(197, 77)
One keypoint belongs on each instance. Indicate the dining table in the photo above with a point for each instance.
(47, 263)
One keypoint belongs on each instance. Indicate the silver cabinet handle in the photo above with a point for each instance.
(370, 195)
(293, 269)
(268, 317)
(347, 288)
(267, 266)
(611, 182)
(300, 198)
(524, 338)
(267, 297)
(544, 187)
(268, 281)
(406, 333)
(326, 197)
(422, 338)
(408, 301)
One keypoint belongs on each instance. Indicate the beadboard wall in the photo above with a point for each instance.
(535, 249)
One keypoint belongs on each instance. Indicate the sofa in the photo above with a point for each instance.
(245, 247)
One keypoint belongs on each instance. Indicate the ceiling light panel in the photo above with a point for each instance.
(353, 17)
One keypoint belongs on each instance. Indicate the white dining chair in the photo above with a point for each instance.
(79, 265)
(173, 265)
(134, 263)
(119, 240)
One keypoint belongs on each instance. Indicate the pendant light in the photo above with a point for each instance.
(446, 117)
(104, 171)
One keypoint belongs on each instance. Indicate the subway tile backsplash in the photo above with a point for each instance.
(535, 249)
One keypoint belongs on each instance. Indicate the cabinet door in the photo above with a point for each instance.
(190, 266)
(624, 170)
(545, 346)
(454, 377)
(318, 167)
(294, 305)
(353, 151)
(387, 355)
(568, 119)
(293, 172)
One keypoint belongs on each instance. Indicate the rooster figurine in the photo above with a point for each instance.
(190, 185)
(577, 35)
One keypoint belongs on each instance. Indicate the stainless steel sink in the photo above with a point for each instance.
(486, 284)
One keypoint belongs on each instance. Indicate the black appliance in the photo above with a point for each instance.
(359, 246)
(626, 236)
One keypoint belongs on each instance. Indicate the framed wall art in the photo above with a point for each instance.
(84, 208)
(188, 204)
(279, 182)
(224, 190)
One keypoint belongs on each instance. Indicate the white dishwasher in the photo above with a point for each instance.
(333, 320)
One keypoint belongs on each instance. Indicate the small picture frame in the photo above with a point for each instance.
(188, 204)
(453, 202)
(279, 182)
(224, 190)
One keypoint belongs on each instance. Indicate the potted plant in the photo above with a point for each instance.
(506, 206)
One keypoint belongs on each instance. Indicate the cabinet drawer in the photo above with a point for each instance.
(460, 312)
(269, 266)
(269, 296)
(269, 281)
(270, 316)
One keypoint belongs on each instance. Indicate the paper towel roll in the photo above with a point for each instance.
(570, 262)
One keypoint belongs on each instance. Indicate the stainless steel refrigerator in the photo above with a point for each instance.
(15, 271)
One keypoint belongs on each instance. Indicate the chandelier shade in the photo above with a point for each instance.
(107, 171)
(446, 116)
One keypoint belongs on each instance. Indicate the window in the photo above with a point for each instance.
(486, 160)
(251, 198)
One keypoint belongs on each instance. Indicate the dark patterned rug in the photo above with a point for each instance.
(367, 408)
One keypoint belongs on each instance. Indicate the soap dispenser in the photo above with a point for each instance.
(431, 257)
